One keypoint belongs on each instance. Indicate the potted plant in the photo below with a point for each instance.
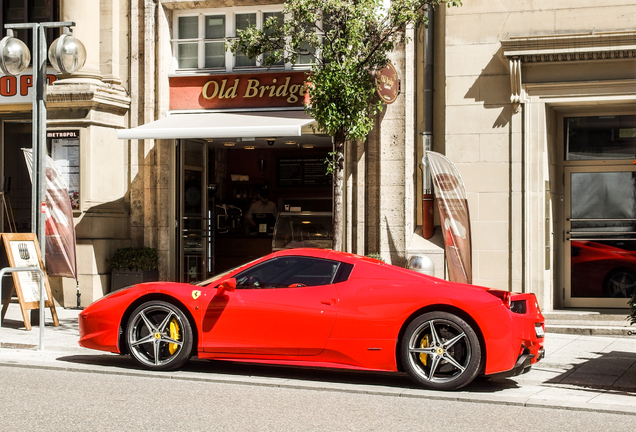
(133, 265)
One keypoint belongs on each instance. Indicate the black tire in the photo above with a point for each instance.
(619, 283)
(441, 351)
(159, 336)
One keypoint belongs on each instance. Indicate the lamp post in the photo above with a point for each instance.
(67, 54)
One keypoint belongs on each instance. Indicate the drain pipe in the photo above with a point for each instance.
(428, 196)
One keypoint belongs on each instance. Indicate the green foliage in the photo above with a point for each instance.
(139, 258)
(376, 256)
(330, 161)
(632, 307)
(346, 40)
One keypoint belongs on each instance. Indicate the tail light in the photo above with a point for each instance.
(503, 295)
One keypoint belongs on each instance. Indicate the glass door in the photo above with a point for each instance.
(194, 220)
(599, 210)
(601, 232)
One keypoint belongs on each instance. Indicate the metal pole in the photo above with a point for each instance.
(35, 115)
(40, 96)
(428, 196)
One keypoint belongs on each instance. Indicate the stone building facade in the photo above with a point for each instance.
(512, 84)
(90, 106)
(537, 102)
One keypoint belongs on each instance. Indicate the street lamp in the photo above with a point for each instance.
(67, 54)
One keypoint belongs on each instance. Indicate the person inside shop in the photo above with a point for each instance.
(261, 216)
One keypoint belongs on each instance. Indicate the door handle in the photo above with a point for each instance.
(331, 302)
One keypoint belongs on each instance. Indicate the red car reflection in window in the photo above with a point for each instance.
(599, 270)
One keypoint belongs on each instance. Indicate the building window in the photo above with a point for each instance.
(200, 36)
(600, 137)
(28, 11)
(243, 21)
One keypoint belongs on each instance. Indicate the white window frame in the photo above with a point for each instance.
(230, 31)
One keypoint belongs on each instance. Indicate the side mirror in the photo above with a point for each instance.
(228, 285)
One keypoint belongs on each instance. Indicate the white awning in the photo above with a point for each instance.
(260, 124)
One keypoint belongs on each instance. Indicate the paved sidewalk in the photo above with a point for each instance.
(596, 373)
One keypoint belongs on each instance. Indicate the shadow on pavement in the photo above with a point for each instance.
(66, 324)
(254, 370)
(614, 370)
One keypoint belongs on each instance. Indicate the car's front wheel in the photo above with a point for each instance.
(441, 351)
(159, 336)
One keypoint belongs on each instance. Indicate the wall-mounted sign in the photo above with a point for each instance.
(302, 172)
(387, 84)
(16, 90)
(257, 90)
(65, 151)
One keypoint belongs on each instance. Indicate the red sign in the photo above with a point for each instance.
(279, 89)
(18, 89)
(387, 84)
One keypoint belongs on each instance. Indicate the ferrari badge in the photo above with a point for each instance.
(196, 294)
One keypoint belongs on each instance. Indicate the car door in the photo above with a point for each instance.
(283, 306)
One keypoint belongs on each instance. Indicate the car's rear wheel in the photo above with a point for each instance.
(441, 351)
(159, 336)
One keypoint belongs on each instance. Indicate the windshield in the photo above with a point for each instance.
(221, 276)
(295, 230)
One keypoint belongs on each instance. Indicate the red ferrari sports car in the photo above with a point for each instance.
(317, 307)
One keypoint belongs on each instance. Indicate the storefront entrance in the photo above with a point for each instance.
(220, 184)
(600, 211)
(194, 203)
(15, 184)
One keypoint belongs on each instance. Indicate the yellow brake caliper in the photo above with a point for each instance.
(424, 344)
(174, 334)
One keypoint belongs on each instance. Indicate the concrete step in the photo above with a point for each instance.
(610, 322)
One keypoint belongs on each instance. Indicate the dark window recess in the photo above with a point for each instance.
(600, 137)
(30, 11)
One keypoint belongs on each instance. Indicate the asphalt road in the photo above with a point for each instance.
(40, 399)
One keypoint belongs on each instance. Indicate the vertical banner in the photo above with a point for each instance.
(453, 211)
(59, 227)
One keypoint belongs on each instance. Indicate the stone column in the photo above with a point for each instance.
(111, 56)
(87, 17)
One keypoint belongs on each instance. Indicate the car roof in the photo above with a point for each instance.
(322, 253)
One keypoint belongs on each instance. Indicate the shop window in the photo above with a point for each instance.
(600, 137)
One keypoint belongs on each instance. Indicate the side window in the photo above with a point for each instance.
(289, 272)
